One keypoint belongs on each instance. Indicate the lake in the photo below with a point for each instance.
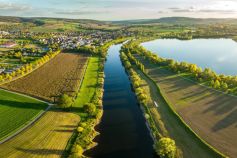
(218, 54)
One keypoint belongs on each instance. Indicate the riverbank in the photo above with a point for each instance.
(123, 132)
(208, 112)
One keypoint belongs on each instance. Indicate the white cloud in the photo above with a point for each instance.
(13, 7)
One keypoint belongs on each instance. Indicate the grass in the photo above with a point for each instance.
(211, 114)
(16, 111)
(88, 86)
(47, 138)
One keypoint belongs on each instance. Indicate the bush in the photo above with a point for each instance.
(65, 101)
(166, 148)
(77, 151)
(80, 129)
(90, 109)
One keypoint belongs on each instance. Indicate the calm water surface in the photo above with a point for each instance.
(123, 130)
(217, 54)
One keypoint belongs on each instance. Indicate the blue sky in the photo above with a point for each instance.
(119, 9)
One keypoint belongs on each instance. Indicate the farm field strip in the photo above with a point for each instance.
(16, 112)
(211, 114)
(168, 125)
(49, 81)
(47, 138)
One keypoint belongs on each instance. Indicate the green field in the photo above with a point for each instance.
(89, 83)
(16, 111)
(48, 137)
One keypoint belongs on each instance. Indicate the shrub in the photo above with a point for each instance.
(65, 101)
(77, 151)
(166, 148)
(147, 116)
(80, 129)
(90, 109)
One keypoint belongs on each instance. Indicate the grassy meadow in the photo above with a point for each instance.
(88, 86)
(17, 111)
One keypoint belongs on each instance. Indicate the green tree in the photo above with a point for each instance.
(77, 151)
(65, 101)
(90, 109)
(224, 86)
(166, 148)
(217, 84)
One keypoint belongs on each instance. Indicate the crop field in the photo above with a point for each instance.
(16, 111)
(48, 137)
(60, 75)
(211, 114)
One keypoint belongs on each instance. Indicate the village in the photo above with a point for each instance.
(20, 48)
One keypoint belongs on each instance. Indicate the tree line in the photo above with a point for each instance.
(164, 146)
(28, 67)
(220, 82)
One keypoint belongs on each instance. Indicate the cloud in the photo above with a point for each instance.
(14, 7)
(193, 9)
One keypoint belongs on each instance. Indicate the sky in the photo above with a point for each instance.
(119, 9)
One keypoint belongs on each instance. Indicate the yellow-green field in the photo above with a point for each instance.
(17, 111)
(48, 137)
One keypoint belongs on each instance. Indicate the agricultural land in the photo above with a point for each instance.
(61, 75)
(209, 113)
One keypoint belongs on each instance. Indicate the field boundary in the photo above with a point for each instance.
(83, 76)
(30, 122)
(184, 123)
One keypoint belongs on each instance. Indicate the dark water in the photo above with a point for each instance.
(217, 54)
(123, 130)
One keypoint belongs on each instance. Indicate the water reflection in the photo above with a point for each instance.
(217, 54)
(123, 130)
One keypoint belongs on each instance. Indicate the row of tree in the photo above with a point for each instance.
(27, 67)
(164, 146)
(85, 131)
(221, 82)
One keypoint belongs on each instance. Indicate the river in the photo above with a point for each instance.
(123, 131)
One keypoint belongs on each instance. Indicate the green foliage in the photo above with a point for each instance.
(90, 109)
(77, 151)
(166, 148)
(80, 129)
(65, 101)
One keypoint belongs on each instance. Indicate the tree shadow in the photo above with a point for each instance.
(64, 130)
(68, 126)
(41, 151)
(226, 122)
(23, 105)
